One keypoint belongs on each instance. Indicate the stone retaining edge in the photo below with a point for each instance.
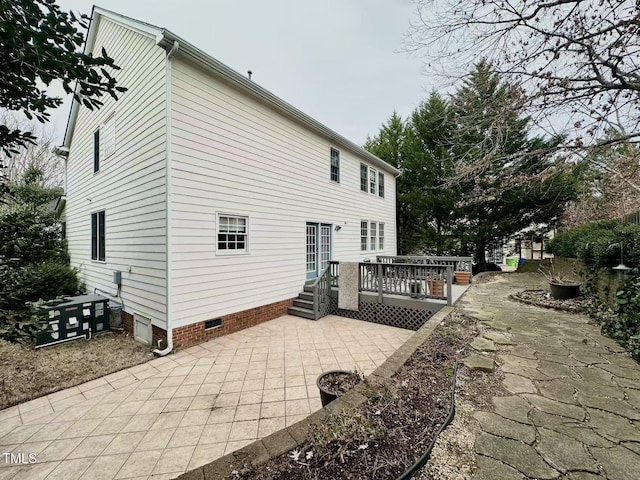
(287, 439)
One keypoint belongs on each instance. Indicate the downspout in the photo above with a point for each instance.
(168, 170)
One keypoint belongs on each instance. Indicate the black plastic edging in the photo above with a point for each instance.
(427, 455)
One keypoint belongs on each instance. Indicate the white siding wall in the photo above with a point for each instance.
(130, 186)
(231, 154)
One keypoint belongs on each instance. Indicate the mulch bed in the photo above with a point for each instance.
(27, 373)
(386, 435)
(543, 298)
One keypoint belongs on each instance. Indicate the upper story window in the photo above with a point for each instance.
(364, 171)
(373, 181)
(335, 165)
(233, 234)
(104, 141)
(98, 236)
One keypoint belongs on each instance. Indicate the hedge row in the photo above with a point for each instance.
(598, 244)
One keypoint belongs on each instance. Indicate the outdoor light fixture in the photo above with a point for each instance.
(337, 228)
(621, 269)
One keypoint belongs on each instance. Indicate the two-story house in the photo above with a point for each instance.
(213, 198)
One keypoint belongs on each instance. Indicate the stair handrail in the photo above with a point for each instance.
(320, 288)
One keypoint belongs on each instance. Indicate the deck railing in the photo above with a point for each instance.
(420, 281)
(458, 263)
(321, 289)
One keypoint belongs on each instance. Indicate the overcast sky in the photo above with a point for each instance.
(338, 61)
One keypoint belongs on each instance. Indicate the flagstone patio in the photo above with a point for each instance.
(175, 413)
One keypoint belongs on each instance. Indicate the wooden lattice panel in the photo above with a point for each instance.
(395, 316)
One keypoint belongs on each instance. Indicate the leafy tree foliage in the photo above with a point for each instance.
(506, 179)
(41, 44)
(419, 148)
(33, 256)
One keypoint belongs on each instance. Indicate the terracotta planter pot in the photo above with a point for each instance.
(462, 278)
(436, 287)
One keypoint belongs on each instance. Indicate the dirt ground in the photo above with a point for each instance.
(27, 373)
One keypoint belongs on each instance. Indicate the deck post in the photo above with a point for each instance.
(380, 288)
(449, 285)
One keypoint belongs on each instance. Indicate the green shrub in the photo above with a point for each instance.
(46, 280)
(598, 244)
(626, 326)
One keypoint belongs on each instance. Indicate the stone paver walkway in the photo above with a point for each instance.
(574, 408)
(175, 413)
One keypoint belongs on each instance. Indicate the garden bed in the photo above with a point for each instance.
(543, 298)
(26, 373)
(386, 435)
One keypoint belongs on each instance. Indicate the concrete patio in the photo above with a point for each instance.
(175, 413)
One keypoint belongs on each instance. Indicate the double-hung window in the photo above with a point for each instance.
(335, 165)
(373, 181)
(364, 235)
(381, 184)
(381, 236)
(233, 234)
(364, 171)
(98, 236)
(373, 235)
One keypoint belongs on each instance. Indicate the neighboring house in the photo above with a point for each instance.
(215, 199)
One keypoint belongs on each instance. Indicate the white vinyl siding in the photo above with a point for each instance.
(233, 154)
(131, 185)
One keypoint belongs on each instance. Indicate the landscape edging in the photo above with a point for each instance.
(265, 449)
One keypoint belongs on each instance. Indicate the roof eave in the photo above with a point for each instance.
(243, 83)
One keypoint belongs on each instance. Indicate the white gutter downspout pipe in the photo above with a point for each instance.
(168, 170)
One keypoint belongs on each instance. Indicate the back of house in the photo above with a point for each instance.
(215, 199)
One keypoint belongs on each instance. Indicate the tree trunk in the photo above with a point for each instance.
(481, 254)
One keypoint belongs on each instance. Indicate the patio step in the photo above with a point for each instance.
(308, 289)
(301, 312)
(306, 304)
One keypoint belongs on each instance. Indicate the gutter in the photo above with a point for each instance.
(168, 170)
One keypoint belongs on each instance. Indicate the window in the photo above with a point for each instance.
(381, 236)
(335, 165)
(232, 234)
(381, 184)
(372, 234)
(363, 177)
(373, 181)
(104, 141)
(96, 151)
(109, 136)
(98, 236)
(364, 235)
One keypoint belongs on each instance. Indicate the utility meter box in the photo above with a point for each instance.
(77, 317)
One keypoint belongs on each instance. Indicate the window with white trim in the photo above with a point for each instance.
(233, 234)
(364, 235)
(373, 181)
(335, 165)
(381, 184)
(381, 236)
(364, 170)
(373, 232)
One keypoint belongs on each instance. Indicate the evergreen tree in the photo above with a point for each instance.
(505, 177)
